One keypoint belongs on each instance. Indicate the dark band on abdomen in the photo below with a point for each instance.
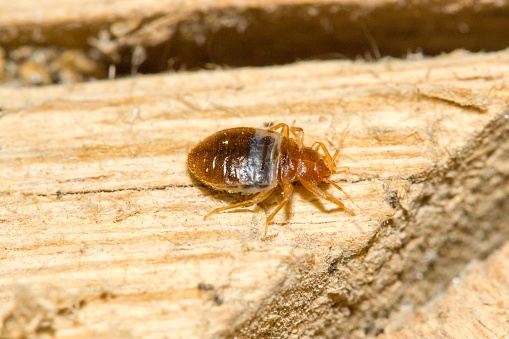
(260, 172)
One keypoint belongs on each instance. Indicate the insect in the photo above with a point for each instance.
(256, 161)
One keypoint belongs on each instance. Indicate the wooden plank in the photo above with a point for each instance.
(19, 13)
(476, 305)
(102, 225)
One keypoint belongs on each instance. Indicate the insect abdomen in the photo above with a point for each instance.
(240, 159)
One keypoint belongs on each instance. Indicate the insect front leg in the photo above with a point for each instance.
(324, 195)
(331, 161)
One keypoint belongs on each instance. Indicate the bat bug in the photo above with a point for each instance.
(256, 161)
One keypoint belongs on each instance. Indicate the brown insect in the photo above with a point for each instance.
(251, 160)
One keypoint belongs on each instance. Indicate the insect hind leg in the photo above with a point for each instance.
(299, 133)
(257, 199)
(286, 130)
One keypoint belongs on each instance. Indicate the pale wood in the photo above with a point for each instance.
(476, 304)
(123, 250)
(53, 12)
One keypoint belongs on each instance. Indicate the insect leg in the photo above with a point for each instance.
(342, 169)
(287, 195)
(324, 195)
(299, 132)
(285, 130)
(331, 160)
(258, 198)
(339, 188)
(317, 145)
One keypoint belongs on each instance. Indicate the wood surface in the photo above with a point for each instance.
(102, 226)
(476, 305)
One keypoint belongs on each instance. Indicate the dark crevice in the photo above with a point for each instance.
(293, 33)
(240, 37)
(60, 194)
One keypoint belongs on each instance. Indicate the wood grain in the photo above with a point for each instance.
(102, 226)
(475, 305)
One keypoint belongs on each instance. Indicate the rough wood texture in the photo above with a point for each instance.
(102, 226)
(476, 304)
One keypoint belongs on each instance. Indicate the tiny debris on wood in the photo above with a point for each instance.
(212, 291)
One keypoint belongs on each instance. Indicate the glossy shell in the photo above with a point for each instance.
(238, 160)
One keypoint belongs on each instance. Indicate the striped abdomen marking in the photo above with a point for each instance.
(240, 159)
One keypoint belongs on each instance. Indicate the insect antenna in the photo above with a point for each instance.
(328, 181)
(332, 165)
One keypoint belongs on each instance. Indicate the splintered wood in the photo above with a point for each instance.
(102, 225)
(476, 304)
